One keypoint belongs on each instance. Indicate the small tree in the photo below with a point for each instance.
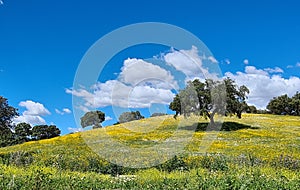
(252, 109)
(130, 116)
(157, 114)
(92, 118)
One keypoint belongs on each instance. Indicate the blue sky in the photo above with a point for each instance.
(256, 43)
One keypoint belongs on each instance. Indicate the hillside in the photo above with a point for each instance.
(267, 144)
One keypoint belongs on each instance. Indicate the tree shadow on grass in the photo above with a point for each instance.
(225, 126)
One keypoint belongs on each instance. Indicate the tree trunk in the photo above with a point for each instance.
(212, 125)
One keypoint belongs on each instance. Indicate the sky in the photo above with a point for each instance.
(42, 44)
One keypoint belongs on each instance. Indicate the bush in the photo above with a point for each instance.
(130, 116)
(158, 114)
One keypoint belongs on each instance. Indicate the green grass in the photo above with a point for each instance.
(255, 152)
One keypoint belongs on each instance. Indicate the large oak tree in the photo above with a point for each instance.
(209, 98)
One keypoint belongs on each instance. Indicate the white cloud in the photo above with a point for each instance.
(246, 61)
(108, 118)
(212, 59)
(137, 71)
(253, 70)
(34, 108)
(33, 113)
(264, 86)
(74, 130)
(139, 84)
(115, 93)
(31, 119)
(63, 111)
(292, 66)
(227, 61)
(66, 110)
(274, 70)
(187, 61)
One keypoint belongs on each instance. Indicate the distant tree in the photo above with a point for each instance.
(22, 133)
(280, 105)
(45, 132)
(263, 111)
(209, 98)
(252, 109)
(157, 114)
(285, 105)
(296, 104)
(92, 118)
(130, 116)
(7, 113)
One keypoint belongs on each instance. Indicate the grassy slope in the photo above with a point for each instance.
(270, 137)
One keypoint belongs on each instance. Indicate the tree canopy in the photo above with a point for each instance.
(93, 118)
(11, 133)
(210, 97)
(7, 113)
(285, 105)
(45, 132)
(22, 132)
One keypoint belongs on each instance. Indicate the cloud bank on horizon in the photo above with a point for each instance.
(34, 113)
(264, 84)
(141, 83)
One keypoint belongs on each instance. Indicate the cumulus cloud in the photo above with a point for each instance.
(298, 64)
(246, 61)
(135, 71)
(264, 85)
(31, 119)
(33, 113)
(115, 93)
(189, 62)
(138, 85)
(142, 83)
(34, 108)
(63, 111)
(108, 118)
(274, 70)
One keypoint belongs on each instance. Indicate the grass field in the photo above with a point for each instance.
(255, 152)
